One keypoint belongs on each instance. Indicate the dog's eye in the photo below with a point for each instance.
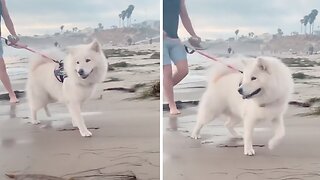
(253, 78)
(78, 62)
(88, 60)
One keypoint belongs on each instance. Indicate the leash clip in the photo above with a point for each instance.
(187, 50)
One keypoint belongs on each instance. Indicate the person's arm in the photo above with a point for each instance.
(186, 20)
(7, 19)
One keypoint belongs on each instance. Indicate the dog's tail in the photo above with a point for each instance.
(36, 62)
(220, 72)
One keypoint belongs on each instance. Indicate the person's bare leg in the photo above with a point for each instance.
(168, 89)
(181, 71)
(6, 82)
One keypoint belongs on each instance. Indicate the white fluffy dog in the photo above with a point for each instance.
(262, 92)
(85, 66)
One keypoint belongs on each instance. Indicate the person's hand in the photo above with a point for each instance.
(195, 41)
(196, 38)
(13, 39)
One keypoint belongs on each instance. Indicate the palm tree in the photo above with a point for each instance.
(120, 17)
(74, 29)
(302, 22)
(251, 34)
(100, 26)
(315, 12)
(305, 23)
(237, 32)
(123, 16)
(312, 18)
(280, 32)
(61, 28)
(129, 13)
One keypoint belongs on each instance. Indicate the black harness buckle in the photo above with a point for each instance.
(188, 51)
(59, 72)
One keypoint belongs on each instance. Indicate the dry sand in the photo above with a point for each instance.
(125, 131)
(297, 157)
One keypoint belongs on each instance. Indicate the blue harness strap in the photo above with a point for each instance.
(59, 72)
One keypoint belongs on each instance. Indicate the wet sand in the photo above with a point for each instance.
(125, 132)
(219, 156)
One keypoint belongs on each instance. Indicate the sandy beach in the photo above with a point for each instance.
(219, 156)
(125, 127)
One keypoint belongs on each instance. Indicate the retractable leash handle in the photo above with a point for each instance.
(209, 57)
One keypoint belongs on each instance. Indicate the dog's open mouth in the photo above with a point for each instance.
(252, 94)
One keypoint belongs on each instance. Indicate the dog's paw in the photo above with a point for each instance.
(35, 122)
(85, 133)
(195, 136)
(249, 151)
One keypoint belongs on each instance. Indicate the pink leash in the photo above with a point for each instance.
(210, 57)
(20, 46)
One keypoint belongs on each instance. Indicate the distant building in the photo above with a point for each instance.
(87, 30)
(266, 37)
(316, 33)
(148, 24)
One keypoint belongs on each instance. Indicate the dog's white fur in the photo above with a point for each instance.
(222, 98)
(85, 65)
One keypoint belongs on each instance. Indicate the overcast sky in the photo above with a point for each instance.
(211, 18)
(46, 16)
(220, 18)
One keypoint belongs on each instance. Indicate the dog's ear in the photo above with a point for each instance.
(262, 65)
(95, 46)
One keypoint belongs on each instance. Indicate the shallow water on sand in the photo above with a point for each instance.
(17, 62)
(195, 76)
(219, 156)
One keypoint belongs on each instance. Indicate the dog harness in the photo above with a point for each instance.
(59, 72)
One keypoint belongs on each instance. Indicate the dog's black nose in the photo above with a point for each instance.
(240, 90)
(81, 72)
